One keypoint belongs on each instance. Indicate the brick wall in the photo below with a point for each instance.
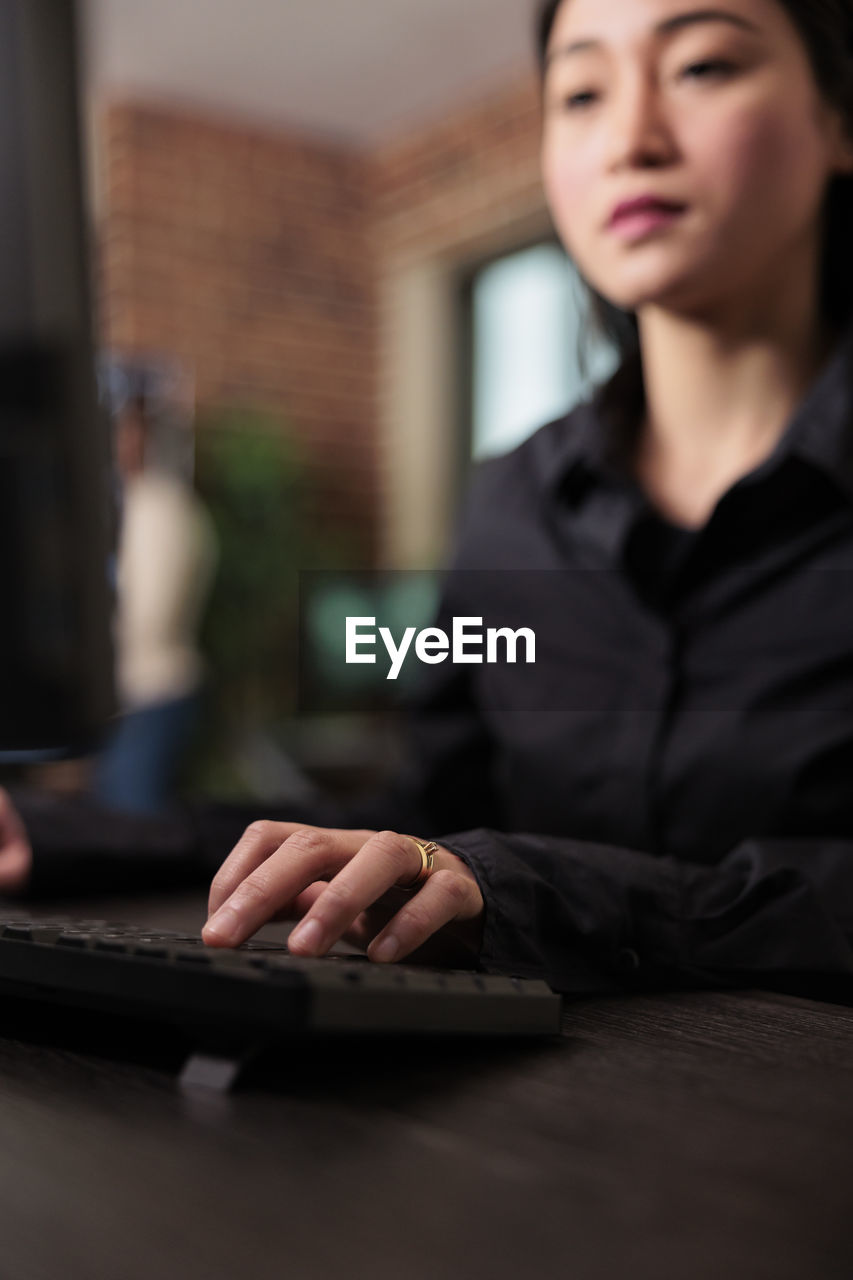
(452, 187)
(247, 255)
(261, 259)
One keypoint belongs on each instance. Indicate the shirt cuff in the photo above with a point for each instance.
(529, 929)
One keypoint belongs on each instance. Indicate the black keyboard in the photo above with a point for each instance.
(259, 990)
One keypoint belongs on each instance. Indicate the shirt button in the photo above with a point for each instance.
(627, 960)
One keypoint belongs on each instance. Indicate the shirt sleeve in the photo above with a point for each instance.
(773, 913)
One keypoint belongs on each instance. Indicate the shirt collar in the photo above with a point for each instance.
(592, 442)
(821, 427)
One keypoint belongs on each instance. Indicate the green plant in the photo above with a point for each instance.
(253, 477)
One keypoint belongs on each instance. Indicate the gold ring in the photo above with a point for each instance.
(427, 850)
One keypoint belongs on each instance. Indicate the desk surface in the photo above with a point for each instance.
(665, 1137)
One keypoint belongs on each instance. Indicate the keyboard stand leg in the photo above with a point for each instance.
(217, 1071)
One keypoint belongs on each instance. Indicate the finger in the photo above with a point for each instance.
(15, 850)
(10, 820)
(363, 928)
(367, 924)
(379, 912)
(381, 862)
(15, 866)
(303, 902)
(307, 855)
(257, 842)
(445, 896)
(306, 899)
(360, 932)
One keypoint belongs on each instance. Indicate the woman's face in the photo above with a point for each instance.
(723, 117)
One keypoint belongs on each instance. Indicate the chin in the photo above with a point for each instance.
(671, 291)
(660, 272)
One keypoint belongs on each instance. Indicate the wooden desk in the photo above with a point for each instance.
(670, 1137)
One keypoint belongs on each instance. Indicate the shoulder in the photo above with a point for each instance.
(535, 463)
(513, 490)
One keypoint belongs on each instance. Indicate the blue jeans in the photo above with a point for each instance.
(138, 768)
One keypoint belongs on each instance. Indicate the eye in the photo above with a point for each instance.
(717, 66)
(709, 68)
(577, 101)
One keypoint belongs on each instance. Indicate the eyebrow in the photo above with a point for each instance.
(669, 25)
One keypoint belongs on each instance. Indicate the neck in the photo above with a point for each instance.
(719, 397)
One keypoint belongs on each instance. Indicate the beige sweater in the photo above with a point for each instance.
(166, 564)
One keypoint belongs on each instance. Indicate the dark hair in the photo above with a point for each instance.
(826, 29)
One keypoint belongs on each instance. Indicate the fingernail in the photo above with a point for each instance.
(307, 935)
(224, 926)
(387, 948)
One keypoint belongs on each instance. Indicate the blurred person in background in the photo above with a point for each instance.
(167, 555)
(664, 797)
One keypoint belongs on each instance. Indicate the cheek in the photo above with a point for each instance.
(568, 177)
(759, 159)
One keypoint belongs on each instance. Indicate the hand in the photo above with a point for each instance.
(16, 855)
(344, 884)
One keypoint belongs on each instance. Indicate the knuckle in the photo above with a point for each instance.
(259, 830)
(418, 921)
(255, 893)
(388, 839)
(307, 840)
(390, 842)
(335, 896)
(453, 886)
(219, 881)
(444, 876)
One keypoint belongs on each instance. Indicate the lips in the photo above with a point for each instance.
(644, 204)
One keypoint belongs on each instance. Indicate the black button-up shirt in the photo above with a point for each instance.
(669, 789)
(666, 794)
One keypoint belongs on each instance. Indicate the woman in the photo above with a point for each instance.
(663, 796)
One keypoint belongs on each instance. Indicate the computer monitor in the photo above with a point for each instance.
(55, 659)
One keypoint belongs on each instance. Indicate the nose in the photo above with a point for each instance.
(640, 131)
